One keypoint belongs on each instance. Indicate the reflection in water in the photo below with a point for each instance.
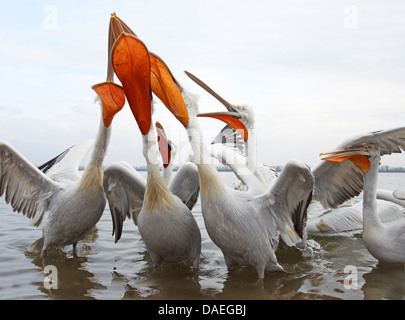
(74, 281)
(385, 282)
(163, 282)
(103, 269)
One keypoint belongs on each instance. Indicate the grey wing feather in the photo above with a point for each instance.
(26, 188)
(124, 188)
(185, 184)
(387, 141)
(287, 201)
(336, 183)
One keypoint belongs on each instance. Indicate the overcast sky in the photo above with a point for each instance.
(315, 72)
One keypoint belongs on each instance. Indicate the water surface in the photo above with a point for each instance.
(105, 270)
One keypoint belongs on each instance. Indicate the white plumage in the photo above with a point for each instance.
(385, 241)
(244, 226)
(75, 202)
(165, 223)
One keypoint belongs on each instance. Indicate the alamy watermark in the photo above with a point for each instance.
(351, 281)
(51, 17)
(51, 277)
(351, 19)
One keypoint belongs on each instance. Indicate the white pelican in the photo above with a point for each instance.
(241, 118)
(75, 203)
(386, 242)
(244, 226)
(165, 223)
(125, 187)
(348, 219)
(334, 182)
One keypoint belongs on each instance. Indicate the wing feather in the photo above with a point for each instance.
(185, 184)
(65, 167)
(287, 201)
(336, 183)
(26, 188)
(125, 189)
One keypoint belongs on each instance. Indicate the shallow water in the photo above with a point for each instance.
(105, 270)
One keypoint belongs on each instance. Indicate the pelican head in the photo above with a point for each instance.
(167, 148)
(142, 73)
(112, 95)
(358, 155)
(112, 99)
(241, 118)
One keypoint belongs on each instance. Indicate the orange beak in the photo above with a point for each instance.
(167, 89)
(227, 105)
(112, 97)
(164, 145)
(117, 26)
(359, 156)
(231, 119)
(131, 64)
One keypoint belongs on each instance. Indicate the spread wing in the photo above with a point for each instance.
(287, 201)
(26, 188)
(125, 189)
(337, 182)
(65, 166)
(185, 184)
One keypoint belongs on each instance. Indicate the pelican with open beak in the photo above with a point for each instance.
(241, 119)
(165, 223)
(75, 203)
(385, 241)
(247, 227)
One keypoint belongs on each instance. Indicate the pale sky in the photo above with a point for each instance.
(315, 72)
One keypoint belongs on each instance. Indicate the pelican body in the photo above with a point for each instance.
(247, 227)
(386, 242)
(165, 223)
(75, 203)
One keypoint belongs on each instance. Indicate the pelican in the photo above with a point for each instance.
(125, 186)
(165, 223)
(75, 203)
(241, 118)
(347, 220)
(334, 182)
(386, 242)
(246, 227)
